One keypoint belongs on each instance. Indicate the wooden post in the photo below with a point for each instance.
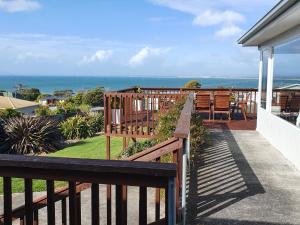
(108, 188)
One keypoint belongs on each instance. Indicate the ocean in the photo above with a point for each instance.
(48, 84)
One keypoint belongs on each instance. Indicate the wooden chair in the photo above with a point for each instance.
(203, 103)
(243, 104)
(222, 103)
(283, 102)
(295, 103)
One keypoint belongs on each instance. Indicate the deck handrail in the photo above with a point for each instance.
(112, 172)
(183, 125)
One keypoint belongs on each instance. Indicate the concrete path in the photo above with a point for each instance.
(242, 180)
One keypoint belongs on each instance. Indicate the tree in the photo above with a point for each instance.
(77, 99)
(192, 84)
(63, 93)
(29, 94)
(43, 96)
(94, 97)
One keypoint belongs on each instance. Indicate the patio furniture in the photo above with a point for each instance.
(222, 103)
(295, 103)
(283, 102)
(203, 103)
(242, 105)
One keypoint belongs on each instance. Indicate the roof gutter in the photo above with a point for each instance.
(274, 13)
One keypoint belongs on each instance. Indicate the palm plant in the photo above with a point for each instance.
(4, 146)
(32, 135)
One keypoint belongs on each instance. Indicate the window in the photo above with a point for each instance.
(264, 81)
(286, 81)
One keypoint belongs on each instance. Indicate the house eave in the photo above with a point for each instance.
(250, 38)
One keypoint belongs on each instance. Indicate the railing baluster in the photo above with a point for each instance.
(64, 212)
(121, 211)
(143, 206)
(50, 202)
(78, 209)
(28, 202)
(95, 205)
(147, 102)
(22, 220)
(72, 203)
(36, 217)
(7, 200)
(157, 200)
(171, 202)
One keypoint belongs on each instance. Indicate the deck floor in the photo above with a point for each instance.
(241, 179)
(237, 122)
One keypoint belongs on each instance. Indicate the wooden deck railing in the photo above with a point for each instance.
(93, 172)
(133, 114)
(178, 148)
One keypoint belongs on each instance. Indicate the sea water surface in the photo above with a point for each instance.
(48, 84)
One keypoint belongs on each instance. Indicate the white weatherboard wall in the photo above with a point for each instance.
(281, 134)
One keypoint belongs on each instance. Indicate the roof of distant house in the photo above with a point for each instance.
(281, 18)
(15, 103)
(291, 86)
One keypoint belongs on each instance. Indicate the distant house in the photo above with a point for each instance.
(22, 106)
(51, 100)
(291, 87)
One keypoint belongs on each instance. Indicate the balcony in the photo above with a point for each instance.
(225, 184)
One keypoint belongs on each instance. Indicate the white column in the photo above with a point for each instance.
(270, 81)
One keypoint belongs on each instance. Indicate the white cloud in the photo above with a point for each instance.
(228, 31)
(141, 56)
(226, 15)
(98, 56)
(19, 5)
(32, 55)
(209, 18)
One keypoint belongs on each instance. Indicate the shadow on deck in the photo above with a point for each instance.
(220, 177)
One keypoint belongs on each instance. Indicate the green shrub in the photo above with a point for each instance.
(32, 135)
(75, 128)
(95, 124)
(4, 145)
(137, 147)
(167, 121)
(9, 113)
(80, 127)
(77, 99)
(199, 134)
(43, 111)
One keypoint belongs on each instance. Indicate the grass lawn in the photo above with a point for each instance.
(90, 148)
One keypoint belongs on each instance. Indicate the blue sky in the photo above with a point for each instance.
(132, 37)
